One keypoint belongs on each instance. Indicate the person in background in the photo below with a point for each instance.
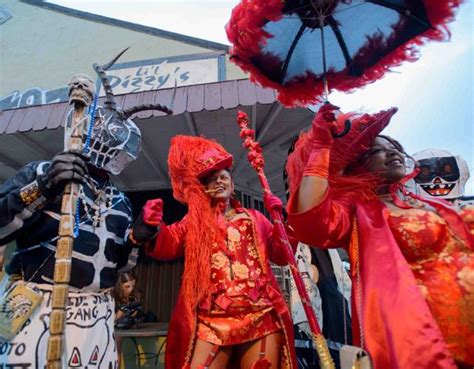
(412, 258)
(442, 176)
(127, 302)
(230, 311)
(128, 311)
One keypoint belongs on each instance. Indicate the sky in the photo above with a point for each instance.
(435, 95)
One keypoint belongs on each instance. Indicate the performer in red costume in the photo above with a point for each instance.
(412, 258)
(230, 312)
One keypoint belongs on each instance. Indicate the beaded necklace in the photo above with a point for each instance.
(102, 203)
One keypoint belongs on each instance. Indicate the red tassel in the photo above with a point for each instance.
(261, 364)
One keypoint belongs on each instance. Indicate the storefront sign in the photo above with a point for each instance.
(33, 96)
(162, 74)
(135, 76)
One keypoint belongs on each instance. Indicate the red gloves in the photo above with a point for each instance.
(324, 126)
(272, 203)
(146, 225)
(153, 212)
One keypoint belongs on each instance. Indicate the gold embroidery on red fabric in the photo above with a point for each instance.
(443, 266)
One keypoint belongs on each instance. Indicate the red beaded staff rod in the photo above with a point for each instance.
(256, 160)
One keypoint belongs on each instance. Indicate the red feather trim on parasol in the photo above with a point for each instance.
(379, 53)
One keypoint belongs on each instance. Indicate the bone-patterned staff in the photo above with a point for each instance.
(256, 160)
(81, 90)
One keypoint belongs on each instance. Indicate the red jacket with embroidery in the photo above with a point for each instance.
(398, 327)
(170, 245)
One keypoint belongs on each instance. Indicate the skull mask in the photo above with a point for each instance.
(81, 89)
(115, 141)
(442, 174)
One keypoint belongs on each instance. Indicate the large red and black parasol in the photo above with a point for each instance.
(299, 47)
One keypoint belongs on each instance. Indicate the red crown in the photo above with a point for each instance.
(213, 159)
(191, 159)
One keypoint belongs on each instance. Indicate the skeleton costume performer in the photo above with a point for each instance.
(412, 264)
(30, 204)
(229, 295)
(442, 176)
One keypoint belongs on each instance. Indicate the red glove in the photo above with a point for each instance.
(146, 225)
(272, 203)
(324, 126)
(153, 212)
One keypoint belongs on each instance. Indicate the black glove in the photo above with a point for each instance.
(142, 232)
(67, 166)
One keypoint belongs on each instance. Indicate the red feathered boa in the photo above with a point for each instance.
(245, 31)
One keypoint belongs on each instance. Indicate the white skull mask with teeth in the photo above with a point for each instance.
(442, 174)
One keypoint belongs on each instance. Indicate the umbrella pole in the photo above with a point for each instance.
(257, 162)
(347, 123)
(323, 50)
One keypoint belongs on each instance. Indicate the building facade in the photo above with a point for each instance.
(44, 44)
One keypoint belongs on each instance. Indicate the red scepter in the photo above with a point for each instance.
(256, 160)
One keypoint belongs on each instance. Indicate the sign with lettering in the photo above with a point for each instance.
(33, 96)
(162, 74)
(136, 76)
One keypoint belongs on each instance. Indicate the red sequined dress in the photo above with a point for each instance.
(237, 309)
(443, 266)
(234, 311)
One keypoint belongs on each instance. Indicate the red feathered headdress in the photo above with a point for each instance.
(345, 150)
(189, 160)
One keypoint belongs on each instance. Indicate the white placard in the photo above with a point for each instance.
(162, 74)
